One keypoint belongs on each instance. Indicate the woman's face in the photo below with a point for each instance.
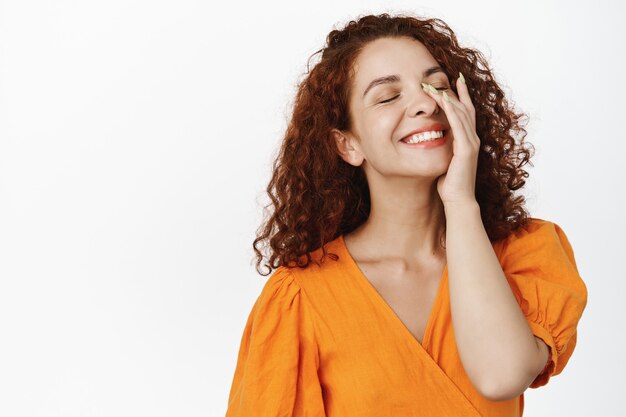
(385, 112)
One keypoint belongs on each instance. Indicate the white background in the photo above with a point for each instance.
(136, 139)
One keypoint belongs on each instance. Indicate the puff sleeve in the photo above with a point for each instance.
(538, 262)
(276, 372)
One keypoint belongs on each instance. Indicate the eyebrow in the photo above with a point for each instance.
(389, 79)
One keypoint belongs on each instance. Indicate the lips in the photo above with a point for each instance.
(427, 128)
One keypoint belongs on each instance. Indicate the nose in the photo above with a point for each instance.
(422, 103)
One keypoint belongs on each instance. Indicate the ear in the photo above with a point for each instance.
(347, 147)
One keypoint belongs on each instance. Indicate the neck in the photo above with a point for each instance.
(405, 225)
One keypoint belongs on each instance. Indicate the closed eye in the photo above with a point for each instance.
(390, 99)
(394, 97)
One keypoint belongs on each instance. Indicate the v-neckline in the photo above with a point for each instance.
(378, 298)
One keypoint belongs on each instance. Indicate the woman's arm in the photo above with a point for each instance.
(499, 352)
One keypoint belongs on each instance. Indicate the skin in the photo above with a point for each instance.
(415, 192)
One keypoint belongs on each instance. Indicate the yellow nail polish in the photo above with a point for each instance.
(424, 86)
(462, 77)
(433, 89)
(445, 96)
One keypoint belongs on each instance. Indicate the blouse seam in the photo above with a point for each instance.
(292, 274)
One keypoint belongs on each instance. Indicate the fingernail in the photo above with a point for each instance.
(433, 89)
(424, 86)
(462, 77)
(445, 96)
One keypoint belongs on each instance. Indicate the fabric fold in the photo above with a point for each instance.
(276, 373)
(541, 269)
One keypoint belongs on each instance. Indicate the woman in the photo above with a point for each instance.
(410, 280)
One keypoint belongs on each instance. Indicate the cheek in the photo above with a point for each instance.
(383, 123)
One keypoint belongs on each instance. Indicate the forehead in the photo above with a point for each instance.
(386, 56)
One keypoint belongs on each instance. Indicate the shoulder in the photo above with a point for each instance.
(280, 281)
(534, 235)
(541, 252)
(534, 226)
(279, 302)
(325, 261)
(286, 284)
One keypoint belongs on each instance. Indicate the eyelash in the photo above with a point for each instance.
(388, 100)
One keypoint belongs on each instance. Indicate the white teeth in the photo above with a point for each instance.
(425, 137)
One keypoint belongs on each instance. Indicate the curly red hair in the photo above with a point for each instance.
(317, 196)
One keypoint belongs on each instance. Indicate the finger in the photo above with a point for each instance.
(458, 121)
(459, 108)
(455, 101)
(462, 118)
(460, 105)
(469, 118)
(464, 96)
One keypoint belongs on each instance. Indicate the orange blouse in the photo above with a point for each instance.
(321, 341)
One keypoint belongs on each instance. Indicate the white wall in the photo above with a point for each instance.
(135, 145)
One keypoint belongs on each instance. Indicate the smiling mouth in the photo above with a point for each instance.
(431, 143)
(429, 137)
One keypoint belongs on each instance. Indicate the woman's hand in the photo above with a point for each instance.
(457, 185)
